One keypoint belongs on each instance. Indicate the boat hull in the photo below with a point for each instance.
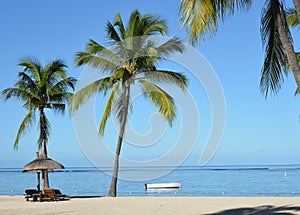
(163, 186)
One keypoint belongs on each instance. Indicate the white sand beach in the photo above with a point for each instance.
(15, 205)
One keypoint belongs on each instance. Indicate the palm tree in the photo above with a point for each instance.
(131, 60)
(202, 16)
(40, 87)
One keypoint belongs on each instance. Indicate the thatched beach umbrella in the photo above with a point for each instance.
(42, 164)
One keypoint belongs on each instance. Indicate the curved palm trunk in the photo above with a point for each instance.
(297, 6)
(45, 179)
(113, 184)
(287, 44)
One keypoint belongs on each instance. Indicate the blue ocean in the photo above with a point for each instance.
(195, 181)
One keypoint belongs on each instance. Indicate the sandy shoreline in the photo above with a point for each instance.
(13, 205)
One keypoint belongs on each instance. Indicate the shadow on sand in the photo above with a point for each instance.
(261, 210)
(84, 197)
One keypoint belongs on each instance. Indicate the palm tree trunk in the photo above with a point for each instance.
(45, 179)
(287, 44)
(113, 185)
(297, 6)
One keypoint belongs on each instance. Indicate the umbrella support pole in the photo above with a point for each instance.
(38, 178)
(45, 180)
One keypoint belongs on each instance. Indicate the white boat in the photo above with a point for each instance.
(174, 185)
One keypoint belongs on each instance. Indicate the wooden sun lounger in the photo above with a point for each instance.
(31, 194)
(50, 195)
(60, 195)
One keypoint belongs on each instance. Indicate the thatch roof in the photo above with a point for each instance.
(42, 163)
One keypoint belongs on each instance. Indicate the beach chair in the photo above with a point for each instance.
(49, 195)
(61, 196)
(31, 194)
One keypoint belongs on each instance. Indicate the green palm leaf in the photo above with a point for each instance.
(275, 58)
(160, 99)
(112, 33)
(108, 108)
(45, 128)
(33, 68)
(95, 61)
(81, 96)
(25, 124)
(168, 77)
(202, 16)
(292, 18)
(17, 93)
(119, 23)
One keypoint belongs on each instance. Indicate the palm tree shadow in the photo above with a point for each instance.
(261, 210)
(85, 197)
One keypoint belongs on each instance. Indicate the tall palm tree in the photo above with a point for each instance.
(40, 87)
(131, 60)
(202, 16)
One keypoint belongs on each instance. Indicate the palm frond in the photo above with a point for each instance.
(151, 25)
(132, 27)
(95, 61)
(201, 17)
(54, 71)
(160, 99)
(150, 49)
(271, 73)
(119, 106)
(61, 97)
(44, 132)
(119, 23)
(81, 96)
(168, 77)
(274, 62)
(64, 84)
(108, 108)
(229, 7)
(33, 67)
(17, 93)
(25, 124)
(292, 18)
(58, 107)
(95, 48)
(172, 45)
(25, 80)
(112, 33)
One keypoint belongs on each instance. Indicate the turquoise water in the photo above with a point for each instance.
(195, 181)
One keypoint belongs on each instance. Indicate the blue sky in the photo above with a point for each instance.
(258, 131)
